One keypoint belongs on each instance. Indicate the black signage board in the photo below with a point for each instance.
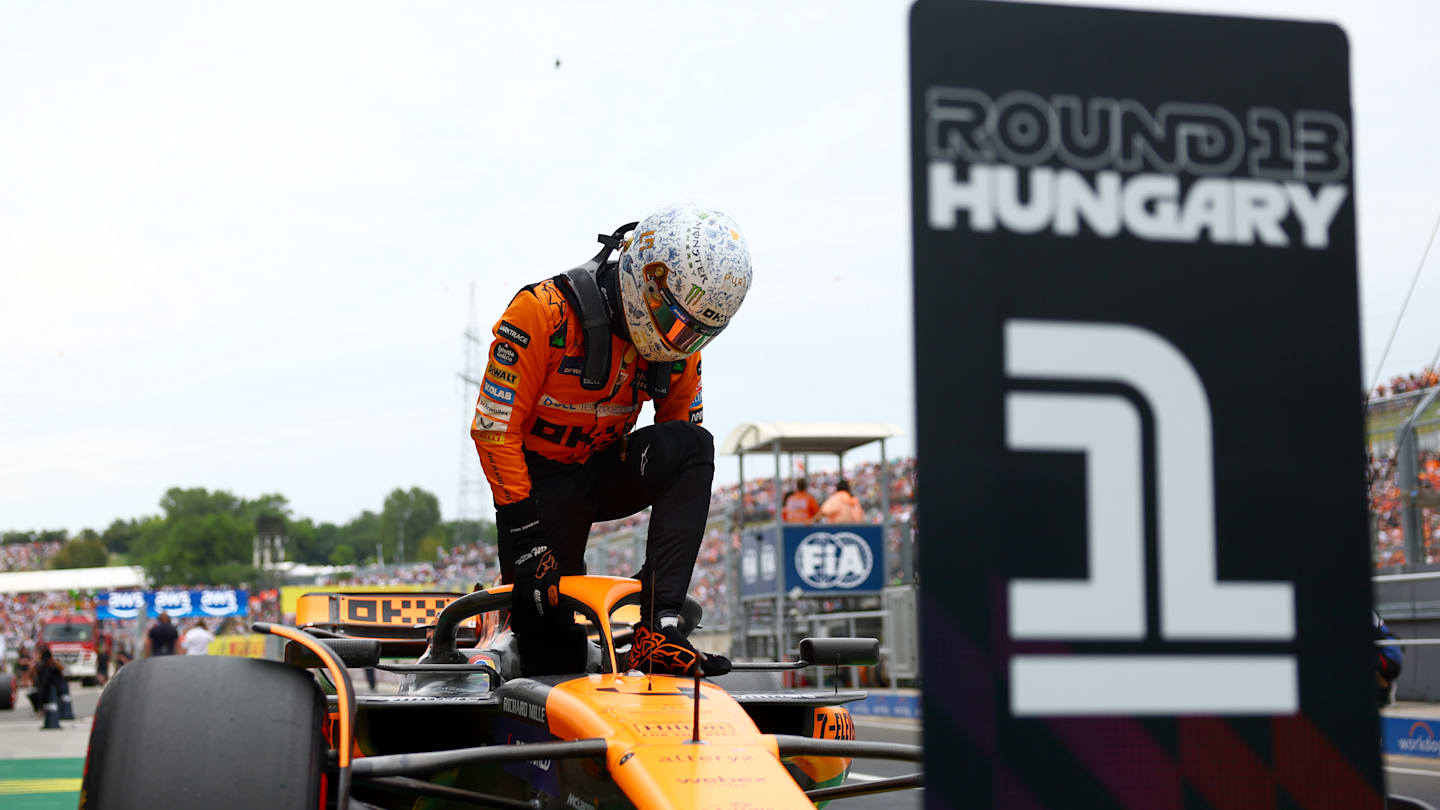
(1137, 356)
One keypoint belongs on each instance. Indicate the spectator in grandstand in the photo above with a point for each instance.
(197, 639)
(800, 506)
(842, 507)
(161, 638)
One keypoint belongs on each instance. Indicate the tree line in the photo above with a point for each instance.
(205, 537)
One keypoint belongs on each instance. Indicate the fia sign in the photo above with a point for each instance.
(834, 559)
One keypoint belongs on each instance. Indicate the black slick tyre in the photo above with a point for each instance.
(7, 691)
(206, 731)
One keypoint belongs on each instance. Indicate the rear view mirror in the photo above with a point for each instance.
(840, 652)
(354, 653)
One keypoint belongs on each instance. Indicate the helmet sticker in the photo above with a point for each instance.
(682, 279)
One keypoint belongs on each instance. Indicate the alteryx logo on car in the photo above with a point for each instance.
(1176, 172)
(839, 560)
(126, 604)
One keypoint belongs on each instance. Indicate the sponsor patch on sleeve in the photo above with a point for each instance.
(513, 332)
(493, 409)
(697, 415)
(505, 354)
(483, 422)
(490, 436)
(505, 376)
(699, 397)
(498, 392)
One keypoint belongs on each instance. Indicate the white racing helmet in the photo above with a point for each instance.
(683, 274)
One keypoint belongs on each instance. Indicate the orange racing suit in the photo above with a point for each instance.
(531, 397)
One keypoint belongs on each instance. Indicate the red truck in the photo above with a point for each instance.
(72, 639)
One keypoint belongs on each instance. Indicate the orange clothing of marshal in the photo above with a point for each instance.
(531, 398)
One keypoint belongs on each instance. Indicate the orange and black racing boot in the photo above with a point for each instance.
(659, 647)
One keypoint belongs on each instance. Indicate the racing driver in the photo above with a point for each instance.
(573, 359)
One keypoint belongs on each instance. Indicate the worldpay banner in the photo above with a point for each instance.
(1136, 228)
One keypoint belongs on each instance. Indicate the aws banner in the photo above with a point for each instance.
(1135, 224)
(212, 602)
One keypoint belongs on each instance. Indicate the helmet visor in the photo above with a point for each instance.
(680, 330)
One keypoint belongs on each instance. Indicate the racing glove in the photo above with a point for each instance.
(660, 647)
(535, 568)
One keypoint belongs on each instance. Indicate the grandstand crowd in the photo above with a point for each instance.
(32, 556)
(616, 547)
(1386, 500)
(1405, 383)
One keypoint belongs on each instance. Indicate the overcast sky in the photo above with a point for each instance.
(236, 241)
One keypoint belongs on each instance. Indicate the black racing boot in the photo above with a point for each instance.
(658, 646)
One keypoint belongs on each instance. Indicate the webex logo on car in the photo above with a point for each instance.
(839, 560)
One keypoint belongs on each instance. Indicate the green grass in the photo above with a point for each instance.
(19, 775)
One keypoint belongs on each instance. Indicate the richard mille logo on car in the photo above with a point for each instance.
(523, 708)
(839, 560)
(1180, 172)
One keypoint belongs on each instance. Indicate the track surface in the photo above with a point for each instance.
(884, 730)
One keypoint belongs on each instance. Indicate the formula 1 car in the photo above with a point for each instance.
(464, 728)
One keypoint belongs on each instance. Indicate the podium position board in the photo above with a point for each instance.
(1137, 354)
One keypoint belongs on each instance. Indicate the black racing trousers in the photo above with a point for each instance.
(668, 467)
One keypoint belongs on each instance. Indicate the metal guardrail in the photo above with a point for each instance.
(1417, 577)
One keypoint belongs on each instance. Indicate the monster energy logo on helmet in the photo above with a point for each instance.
(681, 255)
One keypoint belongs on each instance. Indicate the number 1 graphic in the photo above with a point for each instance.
(1110, 605)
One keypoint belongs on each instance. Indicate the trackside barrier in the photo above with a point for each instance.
(882, 704)
(246, 646)
(1410, 736)
(1410, 604)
